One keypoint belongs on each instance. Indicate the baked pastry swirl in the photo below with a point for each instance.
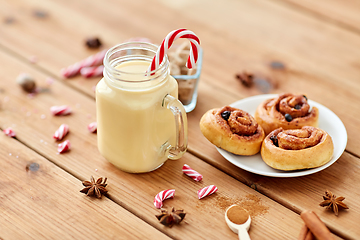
(288, 111)
(295, 149)
(233, 130)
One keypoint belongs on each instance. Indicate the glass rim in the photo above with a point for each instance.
(127, 45)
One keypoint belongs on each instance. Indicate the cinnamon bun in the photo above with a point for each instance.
(288, 111)
(295, 149)
(233, 130)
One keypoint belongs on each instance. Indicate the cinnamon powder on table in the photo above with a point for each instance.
(251, 203)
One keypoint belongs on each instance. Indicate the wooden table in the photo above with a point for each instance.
(318, 42)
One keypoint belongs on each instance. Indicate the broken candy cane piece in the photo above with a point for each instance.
(206, 191)
(60, 110)
(90, 61)
(161, 196)
(191, 173)
(92, 127)
(9, 132)
(90, 72)
(64, 146)
(61, 132)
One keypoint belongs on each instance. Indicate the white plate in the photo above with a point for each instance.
(328, 121)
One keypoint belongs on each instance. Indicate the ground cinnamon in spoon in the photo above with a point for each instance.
(237, 215)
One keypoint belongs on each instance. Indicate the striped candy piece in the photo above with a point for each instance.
(206, 191)
(64, 146)
(89, 72)
(92, 127)
(169, 40)
(9, 132)
(191, 173)
(61, 132)
(91, 61)
(60, 110)
(161, 196)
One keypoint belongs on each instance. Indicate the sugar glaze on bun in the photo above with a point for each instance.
(233, 130)
(296, 149)
(288, 111)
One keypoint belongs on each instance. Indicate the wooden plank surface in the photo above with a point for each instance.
(320, 58)
(38, 200)
(135, 192)
(331, 63)
(344, 13)
(305, 192)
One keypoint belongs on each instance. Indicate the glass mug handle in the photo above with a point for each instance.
(176, 107)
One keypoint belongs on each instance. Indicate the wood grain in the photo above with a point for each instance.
(318, 56)
(306, 192)
(344, 13)
(38, 200)
(135, 192)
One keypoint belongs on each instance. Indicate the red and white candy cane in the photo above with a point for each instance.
(191, 173)
(161, 196)
(168, 41)
(206, 191)
(92, 127)
(64, 146)
(61, 132)
(89, 72)
(9, 132)
(60, 110)
(91, 61)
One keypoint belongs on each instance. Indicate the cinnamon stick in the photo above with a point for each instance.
(316, 226)
(309, 236)
(304, 230)
(305, 234)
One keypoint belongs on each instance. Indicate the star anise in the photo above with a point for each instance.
(170, 218)
(245, 78)
(95, 188)
(333, 203)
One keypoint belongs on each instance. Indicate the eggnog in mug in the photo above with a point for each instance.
(140, 121)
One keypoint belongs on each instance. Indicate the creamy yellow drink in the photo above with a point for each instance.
(133, 125)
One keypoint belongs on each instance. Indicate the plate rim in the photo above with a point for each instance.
(341, 129)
